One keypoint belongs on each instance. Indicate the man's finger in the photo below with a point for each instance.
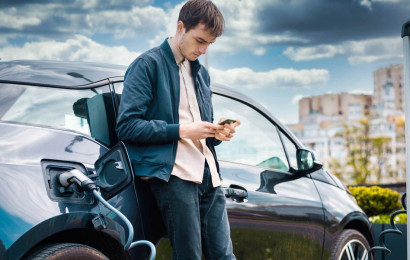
(227, 130)
(220, 136)
(232, 129)
(224, 132)
(213, 126)
(223, 137)
(210, 130)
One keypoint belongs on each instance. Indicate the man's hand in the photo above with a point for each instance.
(227, 133)
(199, 130)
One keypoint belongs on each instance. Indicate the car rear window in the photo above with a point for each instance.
(51, 107)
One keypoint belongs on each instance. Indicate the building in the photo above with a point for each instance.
(334, 107)
(388, 97)
(322, 118)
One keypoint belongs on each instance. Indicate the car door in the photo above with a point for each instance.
(282, 215)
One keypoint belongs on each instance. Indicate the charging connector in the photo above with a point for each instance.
(76, 176)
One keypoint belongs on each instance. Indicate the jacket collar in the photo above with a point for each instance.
(168, 52)
(195, 65)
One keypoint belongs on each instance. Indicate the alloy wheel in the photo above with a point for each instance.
(354, 250)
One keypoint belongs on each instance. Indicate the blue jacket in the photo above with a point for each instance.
(148, 120)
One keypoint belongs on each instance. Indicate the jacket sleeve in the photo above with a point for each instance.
(212, 140)
(132, 125)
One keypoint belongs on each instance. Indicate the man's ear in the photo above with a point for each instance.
(180, 27)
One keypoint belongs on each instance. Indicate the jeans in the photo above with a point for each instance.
(195, 217)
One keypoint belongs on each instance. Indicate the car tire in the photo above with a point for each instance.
(350, 244)
(66, 251)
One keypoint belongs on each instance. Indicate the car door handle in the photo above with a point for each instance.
(235, 193)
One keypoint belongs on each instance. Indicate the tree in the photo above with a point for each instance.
(401, 139)
(358, 145)
(338, 169)
(380, 146)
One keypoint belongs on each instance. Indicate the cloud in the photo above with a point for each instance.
(14, 20)
(62, 20)
(169, 20)
(331, 22)
(127, 24)
(78, 48)
(241, 28)
(368, 3)
(389, 1)
(358, 52)
(251, 25)
(43, 21)
(109, 4)
(361, 91)
(295, 99)
(278, 78)
(256, 43)
(4, 40)
(313, 53)
(258, 25)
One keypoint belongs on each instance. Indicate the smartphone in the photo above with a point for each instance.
(227, 121)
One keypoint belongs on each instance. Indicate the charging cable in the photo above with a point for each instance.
(74, 175)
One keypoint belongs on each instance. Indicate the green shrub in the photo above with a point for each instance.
(376, 200)
(381, 219)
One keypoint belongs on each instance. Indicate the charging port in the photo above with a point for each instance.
(56, 192)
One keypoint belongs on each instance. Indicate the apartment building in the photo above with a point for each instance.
(342, 106)
(388, 97)
(322, 118)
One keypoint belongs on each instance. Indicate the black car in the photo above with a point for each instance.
(59, 116)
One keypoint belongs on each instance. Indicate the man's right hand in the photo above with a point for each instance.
(198, 130)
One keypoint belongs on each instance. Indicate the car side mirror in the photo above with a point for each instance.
(306, 161)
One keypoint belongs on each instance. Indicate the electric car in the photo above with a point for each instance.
(57, 117)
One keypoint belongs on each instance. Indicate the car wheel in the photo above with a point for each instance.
(66, 251)
(351, 244)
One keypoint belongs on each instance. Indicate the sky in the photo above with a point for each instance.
(274, 51)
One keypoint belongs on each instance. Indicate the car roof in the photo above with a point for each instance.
(70, 74)
(58, 73)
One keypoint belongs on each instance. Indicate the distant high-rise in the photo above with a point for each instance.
(388, 95)
(331, 107)
(322, 118)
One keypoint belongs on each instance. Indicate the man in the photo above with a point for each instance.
(165, 117)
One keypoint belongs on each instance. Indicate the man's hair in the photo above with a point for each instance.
(202, 11)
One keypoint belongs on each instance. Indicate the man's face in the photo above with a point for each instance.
(193, 43)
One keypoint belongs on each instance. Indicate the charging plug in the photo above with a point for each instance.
(74, 175)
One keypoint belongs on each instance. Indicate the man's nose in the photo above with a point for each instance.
(203, 48)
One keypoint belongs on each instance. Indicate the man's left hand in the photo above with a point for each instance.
(227, 133)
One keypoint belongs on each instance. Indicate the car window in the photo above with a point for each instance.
(256, 140)
(291, 150)
(71, 109)
(118, 88)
